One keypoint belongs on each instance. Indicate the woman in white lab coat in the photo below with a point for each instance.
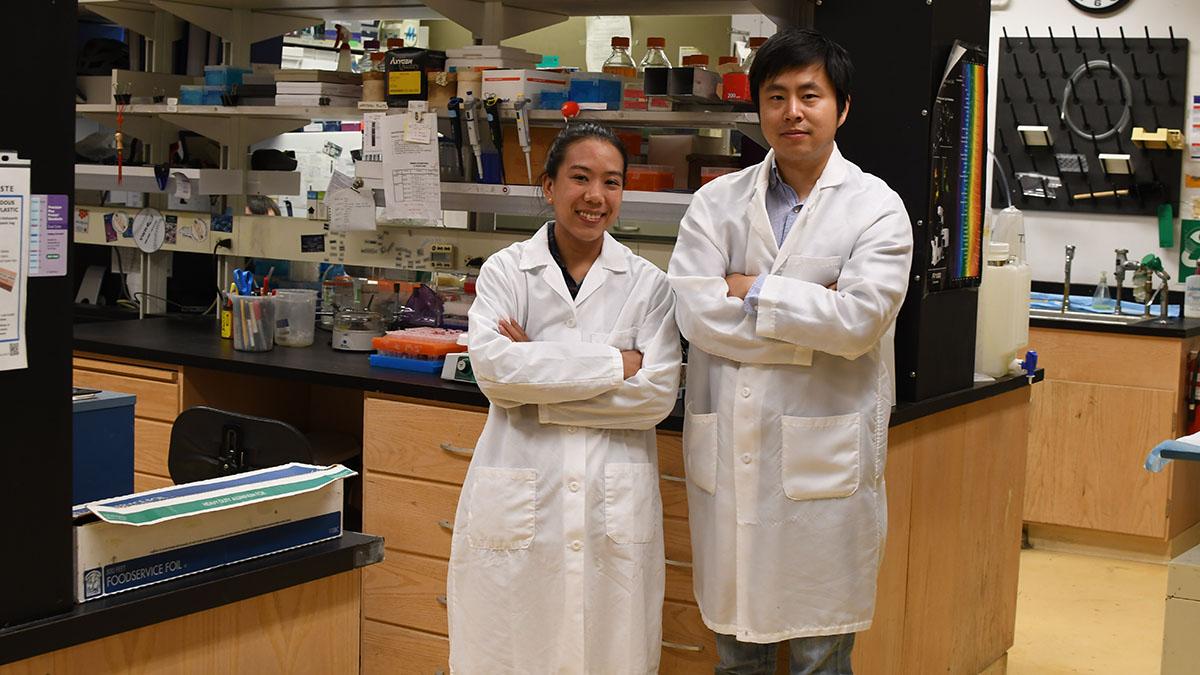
(556, 564)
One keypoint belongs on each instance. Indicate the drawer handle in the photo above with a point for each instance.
(441, 599)
(678, 563)
(673, 479)
(446, 525)
(455, 450)
(682, 647)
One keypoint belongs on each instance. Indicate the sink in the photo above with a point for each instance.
(1089, 317)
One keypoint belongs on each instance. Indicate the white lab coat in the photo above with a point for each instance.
(556, 564)
(785, 431)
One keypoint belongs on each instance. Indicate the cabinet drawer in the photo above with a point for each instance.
(674, 496)
(132, 370)
(408, 590)
(410, 515)
(151, 446)
(678, 539)
(419, 441)
(688, 645)
(670, 454)
(155, 399)
(388, 649)
(679, 581)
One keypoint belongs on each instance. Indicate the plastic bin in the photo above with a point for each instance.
(191, 94)
(650, 177)
(223, 76)
(552, 100)
(253, 323)
(597, 88)
(295, 317)
(212, 94)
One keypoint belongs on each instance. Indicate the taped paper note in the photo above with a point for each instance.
(411, 170)
(14, 257)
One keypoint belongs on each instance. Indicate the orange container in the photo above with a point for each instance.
(632, 140)
(419, 343)
(650, 177)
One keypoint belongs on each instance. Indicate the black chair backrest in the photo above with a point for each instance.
(208, 443)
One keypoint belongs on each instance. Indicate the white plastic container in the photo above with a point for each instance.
(1191, 298)
(1002, 325)
(295, 317)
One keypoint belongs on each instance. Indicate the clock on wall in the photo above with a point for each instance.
(1099, 6)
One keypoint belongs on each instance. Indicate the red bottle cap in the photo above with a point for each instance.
(620, 42)
(393, 43)
(656, 42)
(696, 60)
(722, 60)
(756, 42)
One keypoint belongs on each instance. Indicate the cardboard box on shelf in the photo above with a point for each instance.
(672, 150)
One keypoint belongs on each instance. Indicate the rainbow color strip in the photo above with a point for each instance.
(968, 261)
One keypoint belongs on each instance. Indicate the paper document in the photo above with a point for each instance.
(14, 259)
(412, 190)
(351, 209)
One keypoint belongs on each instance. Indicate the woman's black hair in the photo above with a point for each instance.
(798, 48)
(574, 133)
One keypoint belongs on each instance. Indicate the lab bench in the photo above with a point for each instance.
(1111, 393)
(955, 465)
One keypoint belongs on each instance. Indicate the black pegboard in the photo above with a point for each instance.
(1033, 74)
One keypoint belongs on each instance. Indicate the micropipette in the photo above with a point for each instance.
(453, 106)
(519, 108)
(471, 115)
(491, 105)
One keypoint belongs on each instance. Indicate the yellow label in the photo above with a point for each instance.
(401, 83)
(226, 323)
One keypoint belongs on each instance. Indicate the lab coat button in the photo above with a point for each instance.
(576, 545)
(745, 392)
(571, 322)
(573, 486)
(746, 458)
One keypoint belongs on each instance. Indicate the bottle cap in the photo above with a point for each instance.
(378, 56)
(656, 42)
(997, 251)
(756, 42)
(619, 41)
(371, 44)
(696, 60)
(395, 43)
(722, 60)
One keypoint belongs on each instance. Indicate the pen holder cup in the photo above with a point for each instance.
(253, 323)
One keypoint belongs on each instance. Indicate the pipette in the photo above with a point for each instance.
(454, 105)
(491, 105)
(520, 109)
(471, 116)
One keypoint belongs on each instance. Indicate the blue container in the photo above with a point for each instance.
(212, 95)
(102, 452)
(552, 100)
(411, 365)
(223, 76)
(491, 168)
(594, 88)
(190, 94)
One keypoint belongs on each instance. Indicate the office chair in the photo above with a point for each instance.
(209, 443)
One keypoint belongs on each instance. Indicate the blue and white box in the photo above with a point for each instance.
(133, 541)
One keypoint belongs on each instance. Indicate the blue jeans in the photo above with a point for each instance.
(820, 655)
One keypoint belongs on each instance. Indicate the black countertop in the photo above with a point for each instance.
(1173, 328)
(194, 593)
(193, 342)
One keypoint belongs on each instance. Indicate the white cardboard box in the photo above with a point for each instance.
(512, 84)
(133, 541)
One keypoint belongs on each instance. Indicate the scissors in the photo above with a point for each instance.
(244, 280)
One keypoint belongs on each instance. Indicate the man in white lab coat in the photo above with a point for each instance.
(788, 277)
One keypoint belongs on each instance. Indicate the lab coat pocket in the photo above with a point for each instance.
(700, 450)
(629, 513)
(823, 271)
(621, 339)
(821, 456)
(502, 512)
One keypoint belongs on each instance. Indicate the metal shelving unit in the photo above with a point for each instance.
(526, 200)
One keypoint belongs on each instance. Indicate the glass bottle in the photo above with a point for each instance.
(754, 44)
(364, 61)
(656, 55)
(620, 62)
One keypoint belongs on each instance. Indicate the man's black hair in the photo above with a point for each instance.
(799, 48)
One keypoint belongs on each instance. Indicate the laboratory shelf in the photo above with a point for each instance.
(527, 200)
(204, 181)
(289, 112)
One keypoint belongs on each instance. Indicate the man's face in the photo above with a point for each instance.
(798, 114)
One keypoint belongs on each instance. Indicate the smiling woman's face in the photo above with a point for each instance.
(586, 192)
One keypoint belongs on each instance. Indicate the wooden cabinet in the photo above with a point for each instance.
(158, 391)
(1107, 400)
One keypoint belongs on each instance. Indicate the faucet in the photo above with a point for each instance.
(1162, 291)
(1066, 301)
(1123, 265)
